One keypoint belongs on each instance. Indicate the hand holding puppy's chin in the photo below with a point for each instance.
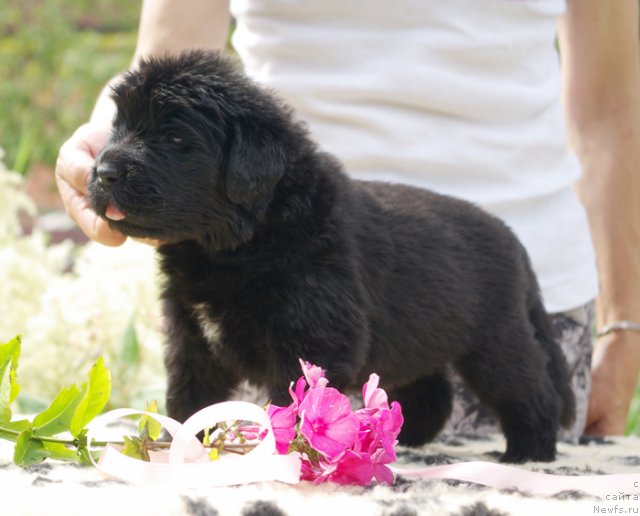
(97, 229)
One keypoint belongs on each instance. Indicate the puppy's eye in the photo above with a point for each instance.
(174, 137)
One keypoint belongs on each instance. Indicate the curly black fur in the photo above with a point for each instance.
(272, 253)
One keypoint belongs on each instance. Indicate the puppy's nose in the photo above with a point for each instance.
(108, 172)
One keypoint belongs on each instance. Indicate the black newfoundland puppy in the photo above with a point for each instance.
(272, 253)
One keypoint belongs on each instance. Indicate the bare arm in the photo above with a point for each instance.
(170, 26)
(165, 26)
(601, 63)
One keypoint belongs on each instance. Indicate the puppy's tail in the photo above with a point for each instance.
(557, 366)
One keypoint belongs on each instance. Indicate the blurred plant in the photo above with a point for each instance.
(74, 304)
(56, 55)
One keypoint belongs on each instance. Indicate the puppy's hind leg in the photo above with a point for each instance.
(426, 406)
(512, 379)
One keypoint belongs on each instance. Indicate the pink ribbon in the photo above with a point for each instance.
(509, 477)
(187, 464)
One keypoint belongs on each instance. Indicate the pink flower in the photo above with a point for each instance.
(328, 422)
(252, 432)
(313, 374)
(310, 471)
(390, 424)
(283, 422)
(382, 472)
(298, 393)
(380, 429)
(352, 469)
(379, 424)
(372, 396)
(337, 444)
(313, 378)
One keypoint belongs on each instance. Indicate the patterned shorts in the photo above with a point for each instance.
(574, 333)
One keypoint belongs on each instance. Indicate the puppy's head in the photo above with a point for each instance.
(195, 153)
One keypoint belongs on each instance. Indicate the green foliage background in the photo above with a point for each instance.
(55, 56)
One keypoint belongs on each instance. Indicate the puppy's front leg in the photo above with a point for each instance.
(195, 377)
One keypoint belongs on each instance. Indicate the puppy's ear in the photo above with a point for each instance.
(255, 163)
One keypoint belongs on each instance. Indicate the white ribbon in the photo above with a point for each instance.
(187, 464)
(501, 476)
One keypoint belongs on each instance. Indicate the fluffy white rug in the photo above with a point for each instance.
(55, 488)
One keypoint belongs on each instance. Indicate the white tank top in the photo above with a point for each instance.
(458, 96)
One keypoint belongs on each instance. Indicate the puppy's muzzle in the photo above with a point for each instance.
(109, 173)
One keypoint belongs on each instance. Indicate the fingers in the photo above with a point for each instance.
(73, 170)
(80, 210)
(78, 154)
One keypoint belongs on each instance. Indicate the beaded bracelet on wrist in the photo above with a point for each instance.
(618, 326)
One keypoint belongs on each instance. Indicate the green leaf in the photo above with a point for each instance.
(15, 388)
(9, 388)
(57, 417)
(18, 426)
(95, 396)
(148, 426)
(83, 453)
(5, 394)
(11, 351)
(29, 451)
(135, 447)
(207, 437)
(59, 451)
(10, 434)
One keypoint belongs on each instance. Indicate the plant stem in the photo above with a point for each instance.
(11, 435)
